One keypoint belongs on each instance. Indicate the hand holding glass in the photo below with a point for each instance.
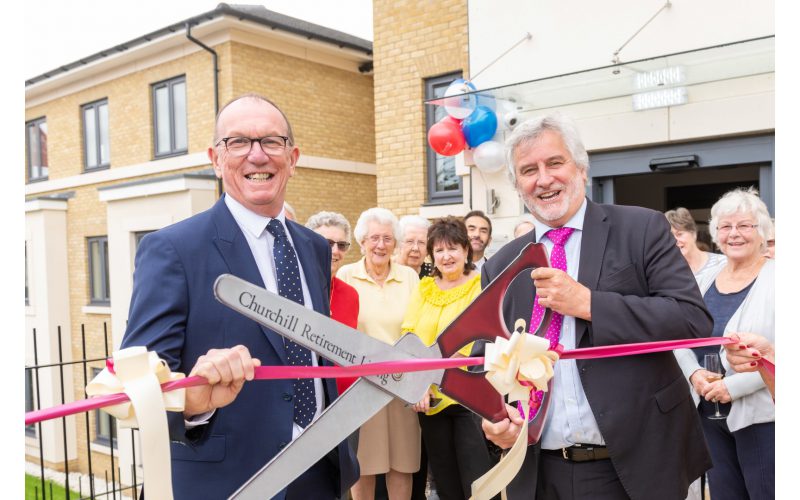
(713, 365)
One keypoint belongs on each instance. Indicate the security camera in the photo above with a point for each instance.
(510, 119)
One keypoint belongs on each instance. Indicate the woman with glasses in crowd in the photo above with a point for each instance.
(389, 442)
(451, 434)
(741, 298)
(335, 228)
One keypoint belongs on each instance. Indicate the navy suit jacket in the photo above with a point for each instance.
(642, 290)
(173, 312)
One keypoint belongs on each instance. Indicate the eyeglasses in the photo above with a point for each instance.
(241, 146)
(343, 245)
(743, 228)
(414, 243)
(376, 238)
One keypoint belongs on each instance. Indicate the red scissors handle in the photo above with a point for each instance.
(483, 319)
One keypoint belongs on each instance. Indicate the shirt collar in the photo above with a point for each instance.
(575, 222)
(250, 221)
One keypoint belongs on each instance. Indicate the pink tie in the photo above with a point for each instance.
(558, 260)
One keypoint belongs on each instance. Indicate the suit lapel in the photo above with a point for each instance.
(593, 244)
(236, 253)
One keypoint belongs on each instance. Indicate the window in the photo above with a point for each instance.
(95, 135)
(36, 146)
(30, 430)
(169, 117)
(98, 270)
(105, 426)
(444, 186)
(137, 237)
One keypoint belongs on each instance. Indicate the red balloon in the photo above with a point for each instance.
(446, 137)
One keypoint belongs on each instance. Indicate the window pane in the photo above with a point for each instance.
(102, 113)
(446, 178)
(95, 271)
(90, 135)
(179, 104)
(29, 429)
(162, 120)
(106, 286)
(37, 149)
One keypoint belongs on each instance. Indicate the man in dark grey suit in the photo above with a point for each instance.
(621, 427)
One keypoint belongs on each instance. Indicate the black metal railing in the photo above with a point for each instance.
(44, 489)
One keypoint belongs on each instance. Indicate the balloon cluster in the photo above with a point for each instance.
(472, 121)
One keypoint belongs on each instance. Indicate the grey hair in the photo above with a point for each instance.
(333, 219)
(530, 130)
(408, 221)
(681, 219)
(524, 218)
(746, 201)
(375, 214)
(289, 210)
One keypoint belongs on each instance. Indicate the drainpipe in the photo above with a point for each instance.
(216, 77)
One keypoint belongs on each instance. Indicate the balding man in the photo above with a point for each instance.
(230, 429)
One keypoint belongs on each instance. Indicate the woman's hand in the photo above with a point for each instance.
(424, 403)
(717, 392)
(743, 356)
(699, 381)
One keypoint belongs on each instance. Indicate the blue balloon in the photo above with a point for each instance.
(480, 126)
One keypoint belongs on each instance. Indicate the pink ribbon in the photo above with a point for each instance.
(382, 368)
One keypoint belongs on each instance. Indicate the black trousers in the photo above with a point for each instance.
(456, 450)
(561, 479)
(744, 461)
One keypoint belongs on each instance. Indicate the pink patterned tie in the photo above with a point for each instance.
(558, 260)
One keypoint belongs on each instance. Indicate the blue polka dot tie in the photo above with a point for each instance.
(558, 260)
(290, 287)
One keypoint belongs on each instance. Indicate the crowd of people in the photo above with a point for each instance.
(630, 427)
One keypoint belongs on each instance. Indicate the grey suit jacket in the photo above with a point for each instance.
(642, 290)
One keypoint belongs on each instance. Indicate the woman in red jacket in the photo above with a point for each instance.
(344, 298)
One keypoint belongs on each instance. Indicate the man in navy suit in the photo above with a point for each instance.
(230, 429)
(621, 427)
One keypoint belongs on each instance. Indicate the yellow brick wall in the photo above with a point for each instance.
(331, 112)
(129, 114)
(414, 40)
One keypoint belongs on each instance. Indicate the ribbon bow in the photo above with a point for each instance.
(513, 365)
(139, 374)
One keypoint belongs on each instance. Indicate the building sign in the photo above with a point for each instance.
(660, 98)
(665, 77)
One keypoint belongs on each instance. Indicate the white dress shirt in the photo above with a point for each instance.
(570, 419)
(261, 242)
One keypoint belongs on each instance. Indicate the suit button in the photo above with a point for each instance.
(287, 397)
(583, 370)
(282, 446)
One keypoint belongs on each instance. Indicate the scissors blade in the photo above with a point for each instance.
(346, 414)
(330, 339)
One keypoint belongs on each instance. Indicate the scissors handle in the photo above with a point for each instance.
(483, 319)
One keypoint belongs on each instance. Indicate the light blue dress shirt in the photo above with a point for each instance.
(570, 419)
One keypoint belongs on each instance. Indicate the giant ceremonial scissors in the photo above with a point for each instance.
(481, 320)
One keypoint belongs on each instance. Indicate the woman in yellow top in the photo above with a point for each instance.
(451, 434)
(389, 442)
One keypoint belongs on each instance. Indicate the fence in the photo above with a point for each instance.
(44, 489)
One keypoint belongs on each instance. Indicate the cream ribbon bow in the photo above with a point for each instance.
(139, 374)
(523, 357)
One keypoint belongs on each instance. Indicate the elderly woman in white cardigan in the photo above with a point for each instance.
(741, 298)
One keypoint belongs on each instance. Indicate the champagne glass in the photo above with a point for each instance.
(713, 366)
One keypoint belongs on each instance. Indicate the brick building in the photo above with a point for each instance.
(116, 147)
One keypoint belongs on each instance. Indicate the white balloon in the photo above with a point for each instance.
(507, 115)
(457, 104)
(489, 156)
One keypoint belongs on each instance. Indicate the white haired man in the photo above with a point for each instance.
(617, 427)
